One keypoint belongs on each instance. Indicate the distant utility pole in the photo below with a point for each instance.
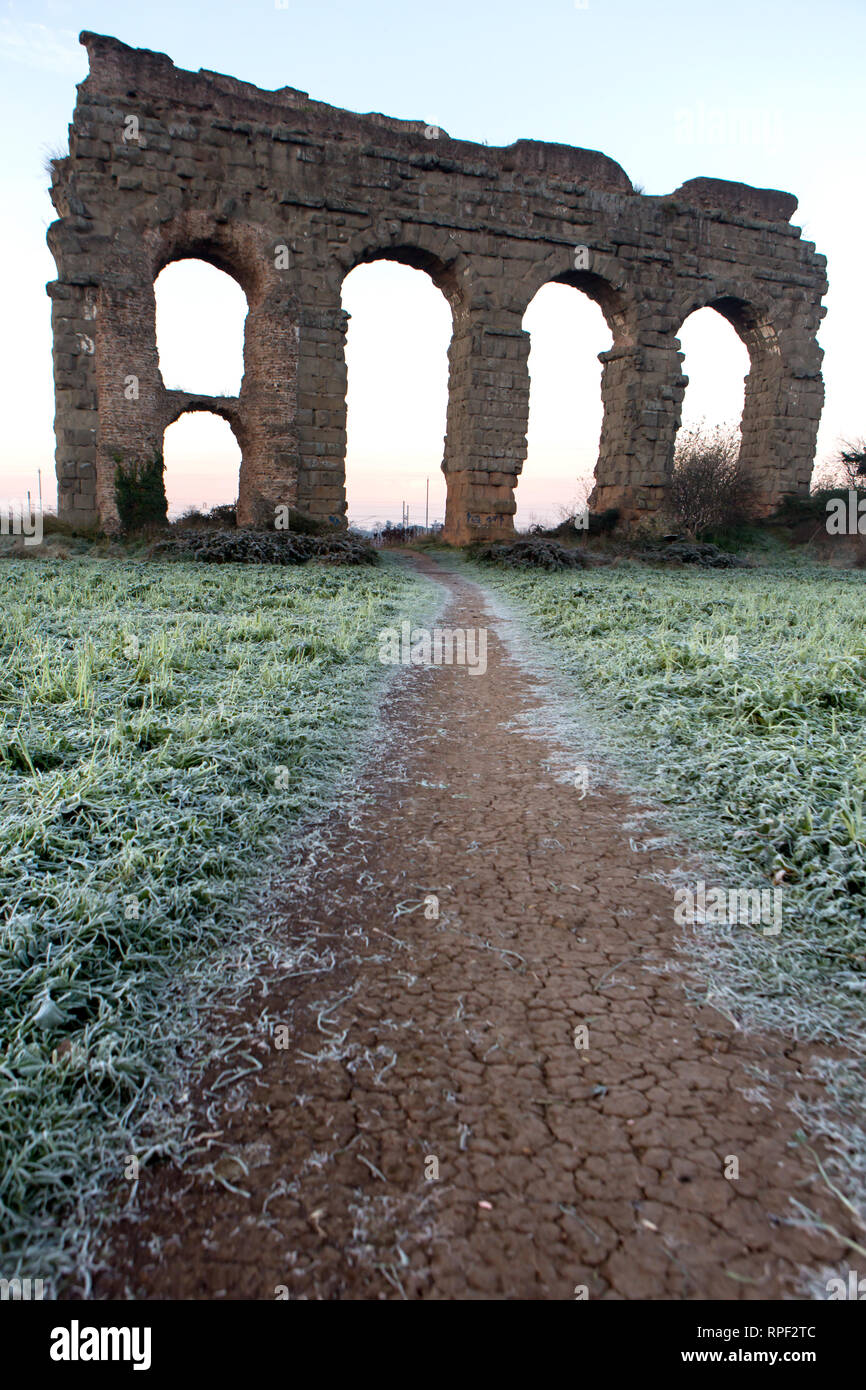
(427, 508)
(39, 476)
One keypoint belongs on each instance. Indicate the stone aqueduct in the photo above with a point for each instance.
(288, 195)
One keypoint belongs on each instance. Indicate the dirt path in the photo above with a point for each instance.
(453, 1038)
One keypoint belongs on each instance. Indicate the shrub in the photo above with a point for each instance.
(267, 515)
(140, 492)
(571, 527)
(53, 525)
(400, 535)
(534, 553)
(246, 546)
(852, 461)
(215, 519)
(304, 525)
(710, 487)
(694, 553)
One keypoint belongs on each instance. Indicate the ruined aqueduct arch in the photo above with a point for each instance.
(287, 195)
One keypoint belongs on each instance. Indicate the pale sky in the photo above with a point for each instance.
(768, 94)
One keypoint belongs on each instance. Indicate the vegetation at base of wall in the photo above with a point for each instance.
(139, 490)
(532, 552)
(757, 756)
(162, 729)
(793, 510)
(570, 528)
(748, 535)
(222, 517)
(53, 525)
(710, 487)
(246, 547)
(301, 524)
(702, 553)
(267, 518)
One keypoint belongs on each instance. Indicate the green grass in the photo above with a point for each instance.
(760, 762)
(162, 728)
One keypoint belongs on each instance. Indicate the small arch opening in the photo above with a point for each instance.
(752, 328)
(716, 363)
(202, 463)
(606, 296)
(567, 332)
(200, 320)
(397, 393)
(441, 273)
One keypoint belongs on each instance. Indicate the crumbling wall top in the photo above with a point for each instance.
(136, 73)
(768, 204)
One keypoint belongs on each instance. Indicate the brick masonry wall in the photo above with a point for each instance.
(288, 195)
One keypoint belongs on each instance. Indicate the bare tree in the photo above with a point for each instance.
(852, 462)
(845, 468)
(825, 476)
(579, 502)
(710, 486)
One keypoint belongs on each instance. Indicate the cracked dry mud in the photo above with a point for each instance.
(453, 1037)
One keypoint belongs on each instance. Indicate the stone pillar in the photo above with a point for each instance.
(488, 414)
(321, 414)
(112, 403)
(781, 412)
(132, 401)
(267, 426)
(642, 389)
(76, 419)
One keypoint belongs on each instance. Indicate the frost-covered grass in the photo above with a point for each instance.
(737, 700)
(162, 727)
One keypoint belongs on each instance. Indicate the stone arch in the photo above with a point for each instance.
(774, 399)
(199, 307)
(607, 318)
(429, 249)
(444, 275)
(723, 375)
(236, 250)
(628, 476)
(644, 387)
(216, 409)
(613, 300)
(750, 315)
(322, 391)
(263, 414)
(605, 282)
(420, 327)
(181, 403)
